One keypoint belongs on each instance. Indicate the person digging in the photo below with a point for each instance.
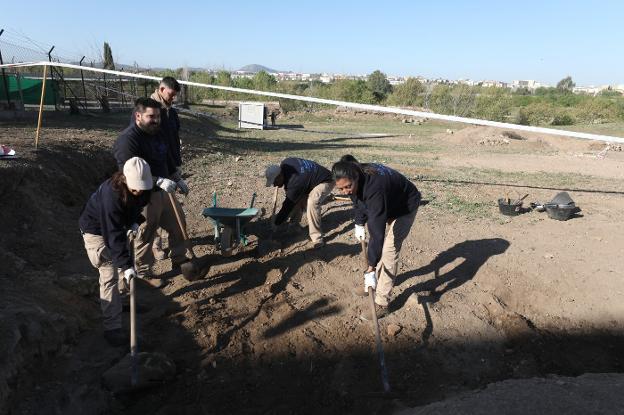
(306, 184)
(145, 138)
(386, 202)
(110, 214)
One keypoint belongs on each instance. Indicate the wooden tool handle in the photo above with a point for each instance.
(274, 202)
(177, 214)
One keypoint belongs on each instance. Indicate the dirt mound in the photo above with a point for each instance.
(591, 393)
(42, 311)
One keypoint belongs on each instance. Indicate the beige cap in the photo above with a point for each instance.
(271, 173)
(138, 174)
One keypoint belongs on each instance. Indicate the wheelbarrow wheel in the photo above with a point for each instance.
(225, 241)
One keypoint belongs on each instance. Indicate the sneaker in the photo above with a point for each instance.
(380, 310)
(116, 338)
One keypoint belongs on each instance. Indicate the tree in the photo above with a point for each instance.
(108, 57)
(408, 93)
(566, 84)
(352, 91)
(463, 100)
(263, 81)
(379, 85)
(224, 78)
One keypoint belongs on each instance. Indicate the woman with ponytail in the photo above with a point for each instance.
(386, 202)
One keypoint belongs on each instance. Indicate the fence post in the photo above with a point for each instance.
(123, 98)
(84, 90)
(43, 88)
(4, 78)
(19, 88)
(51, 78)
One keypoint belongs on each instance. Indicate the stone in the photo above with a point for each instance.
(393, 329)
(154, 369)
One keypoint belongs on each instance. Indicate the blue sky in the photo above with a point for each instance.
(545, 40)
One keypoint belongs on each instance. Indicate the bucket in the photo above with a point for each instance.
(509, 209)
(560, 212)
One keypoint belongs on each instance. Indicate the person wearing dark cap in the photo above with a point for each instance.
(112, 211)
(386, 202)
(307, 184)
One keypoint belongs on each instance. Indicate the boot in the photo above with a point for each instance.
(380, 310)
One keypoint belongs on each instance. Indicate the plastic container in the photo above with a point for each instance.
(560, 212)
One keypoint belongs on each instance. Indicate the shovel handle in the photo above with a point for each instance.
(134, 364)
(380, 352)
(134, 376)
(177, 215)
(181, 225)
(274, 203)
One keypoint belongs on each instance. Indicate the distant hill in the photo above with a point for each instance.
(254, 68)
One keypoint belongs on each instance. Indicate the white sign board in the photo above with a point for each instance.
(251, 115)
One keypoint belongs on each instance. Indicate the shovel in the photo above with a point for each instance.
(134, 365)
(190, 270)
(270, 245)
(380, 352)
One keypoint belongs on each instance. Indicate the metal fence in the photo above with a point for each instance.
(70, 88)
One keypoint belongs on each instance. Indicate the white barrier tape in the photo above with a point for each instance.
(367, 107)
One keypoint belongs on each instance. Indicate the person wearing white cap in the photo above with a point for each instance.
(307, 184)
(111, 212)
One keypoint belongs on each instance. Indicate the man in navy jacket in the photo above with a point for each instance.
(306, 184)
(145, 138)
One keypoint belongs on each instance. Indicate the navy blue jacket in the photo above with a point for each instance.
(383, 195)
(106, 215)
(154, 149)
(300, 177)
(170, 123)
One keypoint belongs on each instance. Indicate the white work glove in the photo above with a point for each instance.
(370, 280)
(129, 274)
(132, 231)
(360, 232)
(167, 185)
(184, 189)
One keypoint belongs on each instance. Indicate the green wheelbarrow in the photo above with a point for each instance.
(229, 224)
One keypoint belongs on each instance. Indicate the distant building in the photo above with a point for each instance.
(326, 78)
(396, 80)
(468, 82)
(530, 84)
(493, 84)
(590, 90)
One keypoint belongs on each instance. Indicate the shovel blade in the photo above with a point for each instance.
(190, 271)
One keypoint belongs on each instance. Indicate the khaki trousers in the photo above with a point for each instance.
(388, 266)
(313, 203)
(110, 301)
(159, 214)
